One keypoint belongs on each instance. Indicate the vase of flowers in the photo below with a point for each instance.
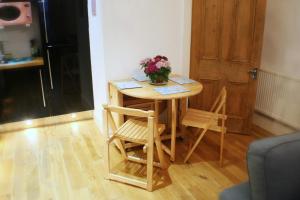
(157, 69)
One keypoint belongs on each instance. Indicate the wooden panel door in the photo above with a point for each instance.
(226, 44)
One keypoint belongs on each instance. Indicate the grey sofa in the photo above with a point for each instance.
(274, 171)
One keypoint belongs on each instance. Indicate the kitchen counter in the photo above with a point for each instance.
(35, 62)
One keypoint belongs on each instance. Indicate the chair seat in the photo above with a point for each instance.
(136, 131)
(200, 119)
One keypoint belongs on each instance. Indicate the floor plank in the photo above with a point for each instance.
(66, 162)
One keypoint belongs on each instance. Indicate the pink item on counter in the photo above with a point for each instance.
(15, 13)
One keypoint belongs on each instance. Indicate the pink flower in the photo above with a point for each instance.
(159, 58)
(154, 65)
(145, 61)
(151, 69)
(162, 63)
(165, 58)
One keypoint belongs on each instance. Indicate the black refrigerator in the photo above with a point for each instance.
(66, 51)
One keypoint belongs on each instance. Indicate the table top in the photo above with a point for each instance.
(35, 62)
(148, 92)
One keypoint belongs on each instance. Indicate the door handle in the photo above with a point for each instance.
(253, 73)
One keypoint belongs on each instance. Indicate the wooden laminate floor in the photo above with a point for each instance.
(66, 162)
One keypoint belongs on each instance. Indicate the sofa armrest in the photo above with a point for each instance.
(238, 192)
(273, 166)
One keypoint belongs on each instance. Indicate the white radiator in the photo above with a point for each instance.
(279, 98)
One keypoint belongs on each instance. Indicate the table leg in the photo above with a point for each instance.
(169, 108)
(42, 87)
(173, 130)
(183, 109)
(158, 141)
(156, 111)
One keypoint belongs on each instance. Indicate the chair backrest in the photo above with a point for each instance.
(274, 168)
(220, 102)
(129, 111)
(109, 109)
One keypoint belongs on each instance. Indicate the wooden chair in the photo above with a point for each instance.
(145, 132)
(213, 120)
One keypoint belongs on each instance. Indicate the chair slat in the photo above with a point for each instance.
(139, 130)
(135, 131)
(207, 114)
(129, 111)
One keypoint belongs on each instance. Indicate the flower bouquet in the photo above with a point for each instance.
(157, 69)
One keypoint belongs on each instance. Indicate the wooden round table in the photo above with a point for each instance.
(148, 92)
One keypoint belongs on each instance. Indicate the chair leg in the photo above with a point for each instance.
(160, 153)
(223, 132)
(121, 148)
(150, 166)
(106, 160)
(106, 145)
(195, 145)
(222, 147)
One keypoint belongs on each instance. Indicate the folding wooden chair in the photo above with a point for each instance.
(136, 131)
(213, 120)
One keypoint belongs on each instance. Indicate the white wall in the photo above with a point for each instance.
(281, 55)
(135, 29)
(97, 60)
(126, 31)
(282, 38)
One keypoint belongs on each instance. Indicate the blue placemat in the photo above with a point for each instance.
(182, 80)
(127, 85)
(171, 90)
